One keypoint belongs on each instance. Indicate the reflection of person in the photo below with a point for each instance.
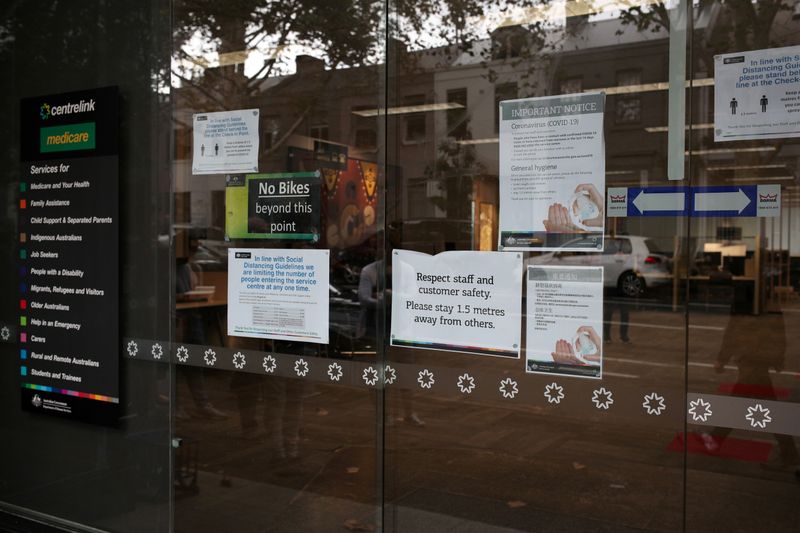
(734, 104)
(282, 400)
(560, 220)
(764, 101)
(745, 347)
(614, 300)
(192, 330)
(202, 149)
(370, 299)
(216, 148)
(565, 353)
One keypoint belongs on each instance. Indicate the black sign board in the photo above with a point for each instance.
(69, 255)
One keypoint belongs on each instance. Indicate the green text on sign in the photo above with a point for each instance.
(67, 137)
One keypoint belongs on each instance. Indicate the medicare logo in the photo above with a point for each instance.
(84, 106)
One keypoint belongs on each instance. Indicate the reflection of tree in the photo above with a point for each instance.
(741, 25)
(343, 33)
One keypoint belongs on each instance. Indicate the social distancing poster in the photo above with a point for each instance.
(225, 142)
(552, 173)
(460, 301)
(757, 94)
(278, 294)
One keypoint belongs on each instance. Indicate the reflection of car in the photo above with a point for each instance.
(630, 262)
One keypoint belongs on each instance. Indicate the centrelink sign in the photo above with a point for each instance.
(67, 124)
(46, 110)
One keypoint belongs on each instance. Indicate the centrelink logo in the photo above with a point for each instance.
(84, 106)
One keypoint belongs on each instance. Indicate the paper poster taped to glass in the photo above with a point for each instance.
(565, 321)
(552, 173)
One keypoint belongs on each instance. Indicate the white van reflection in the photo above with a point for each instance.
(631, 263)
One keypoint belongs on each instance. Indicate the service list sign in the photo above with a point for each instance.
(69, 255)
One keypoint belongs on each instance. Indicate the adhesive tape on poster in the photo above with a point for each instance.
(581, 209)
(584, 346)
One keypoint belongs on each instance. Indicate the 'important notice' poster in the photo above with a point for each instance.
(552, 173)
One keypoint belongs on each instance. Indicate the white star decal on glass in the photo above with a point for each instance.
(370, 376)
(700, 410)
(554, 393)
(508, 388)
(335, 371)
(301, 367)
(654, 404)
(239, 360)
(425, 379)
(269, 364)
(389, 375)
(182, 354)
(5, 333)
(758, 416)
(602, 398)
(466, 384)
(210, 357)
(133, 348)
(156, 351)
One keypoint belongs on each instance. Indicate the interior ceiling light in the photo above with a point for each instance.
(559, 10)
(662, 129)
(712, 151)
(761, 178)
(423, 108)
(744, 167)
(649, 87)
(489, 140)
(223, 60)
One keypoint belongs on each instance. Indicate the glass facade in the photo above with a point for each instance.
(479, 265)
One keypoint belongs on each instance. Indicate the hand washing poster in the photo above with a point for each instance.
(552, 173)
(460, 301)
(225, 142)
(565, 321)
(278, 294)
(757, 94)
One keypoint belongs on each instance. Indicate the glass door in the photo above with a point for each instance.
(535, 236)
(742, 459)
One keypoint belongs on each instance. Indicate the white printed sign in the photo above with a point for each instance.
(225, 142)
(460, 301)
(757, 94)
(565, 321)
(278, 294)
(552, 173)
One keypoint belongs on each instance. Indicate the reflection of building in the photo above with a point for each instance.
(442, 155)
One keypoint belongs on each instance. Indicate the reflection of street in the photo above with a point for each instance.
(624, 455)
(755, 361)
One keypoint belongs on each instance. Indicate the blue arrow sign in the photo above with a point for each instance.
(724, 201)
(657, 201)
(715, 201)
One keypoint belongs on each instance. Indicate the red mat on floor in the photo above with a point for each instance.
(754, 391)
(727, 448)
